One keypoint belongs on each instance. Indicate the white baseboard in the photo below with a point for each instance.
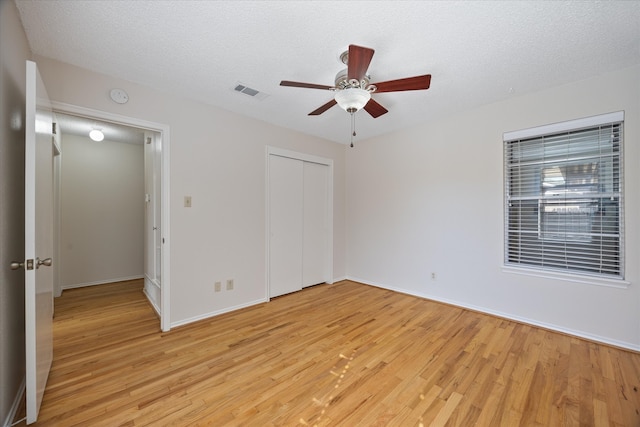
(508, 316)
(17, 401)
(216, 313)
(101, 282)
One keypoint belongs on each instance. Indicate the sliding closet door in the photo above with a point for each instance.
(315, 219)
(286, 225)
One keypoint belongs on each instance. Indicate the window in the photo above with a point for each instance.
(563, 217)
(563, 197)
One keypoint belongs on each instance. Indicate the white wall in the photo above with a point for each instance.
(217, 158)
(14, 51)
(101, 211)
(430, 199)
(410, 212)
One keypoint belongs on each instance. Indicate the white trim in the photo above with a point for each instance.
(267, 226)
(17, 401)
(508, 316)
(90, 113)
(101, 282)
(165, 224)
(275, 151)
(585, 122)
(163, 129)
(218, 312)
(567, 277)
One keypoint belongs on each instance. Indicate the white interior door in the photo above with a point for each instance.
(38, 240)
(152, 222)
(57, 167)
(286, 225)
(157, 189)
(315, 237)
(149, 214)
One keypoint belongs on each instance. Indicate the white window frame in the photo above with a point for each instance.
(566, 273)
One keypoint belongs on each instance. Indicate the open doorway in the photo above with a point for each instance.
(112, 212)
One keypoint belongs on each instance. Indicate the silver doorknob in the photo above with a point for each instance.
(17, 265)
(47, 262)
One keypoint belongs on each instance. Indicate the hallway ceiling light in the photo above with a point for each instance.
(96, 135)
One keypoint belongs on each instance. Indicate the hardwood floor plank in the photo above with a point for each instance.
(445, 413)
(490, 409)
(345, 354)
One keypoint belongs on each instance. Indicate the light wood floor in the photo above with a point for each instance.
(332, 355)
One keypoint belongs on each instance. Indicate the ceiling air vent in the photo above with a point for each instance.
(254, 93)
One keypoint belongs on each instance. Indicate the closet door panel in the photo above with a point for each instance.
(315, 218)
(286, 225)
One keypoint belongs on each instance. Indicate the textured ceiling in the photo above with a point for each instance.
(477, 52)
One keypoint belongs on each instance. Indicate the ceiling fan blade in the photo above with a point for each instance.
(359, 60)
(324, 108)
(375, 109)
(410, 83)
(305, 85)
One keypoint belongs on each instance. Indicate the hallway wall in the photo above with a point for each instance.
(101, 211)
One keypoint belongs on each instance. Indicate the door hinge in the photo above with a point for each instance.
(54, 128)
(29, 264)
(148, 140)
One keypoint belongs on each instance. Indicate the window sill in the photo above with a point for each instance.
(567, 277)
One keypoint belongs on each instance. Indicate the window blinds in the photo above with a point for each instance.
(564, 199)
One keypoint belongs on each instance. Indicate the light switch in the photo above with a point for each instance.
(187, 201)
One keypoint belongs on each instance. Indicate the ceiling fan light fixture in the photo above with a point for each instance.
(352, 99)
(96, 135)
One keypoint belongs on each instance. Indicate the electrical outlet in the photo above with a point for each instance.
(433, 276)
(218, 286)
(187, 201)
(230, 284)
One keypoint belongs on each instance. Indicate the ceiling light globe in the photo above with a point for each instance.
(96, 135)
(352, 99)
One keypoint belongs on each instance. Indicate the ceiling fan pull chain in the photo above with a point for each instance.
(353, 127)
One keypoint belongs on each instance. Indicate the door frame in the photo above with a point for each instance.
(163, 130)
(275, 151)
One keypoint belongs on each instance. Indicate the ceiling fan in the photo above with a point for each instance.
(353, 88)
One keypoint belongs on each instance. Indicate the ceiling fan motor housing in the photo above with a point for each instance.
(343, 82)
